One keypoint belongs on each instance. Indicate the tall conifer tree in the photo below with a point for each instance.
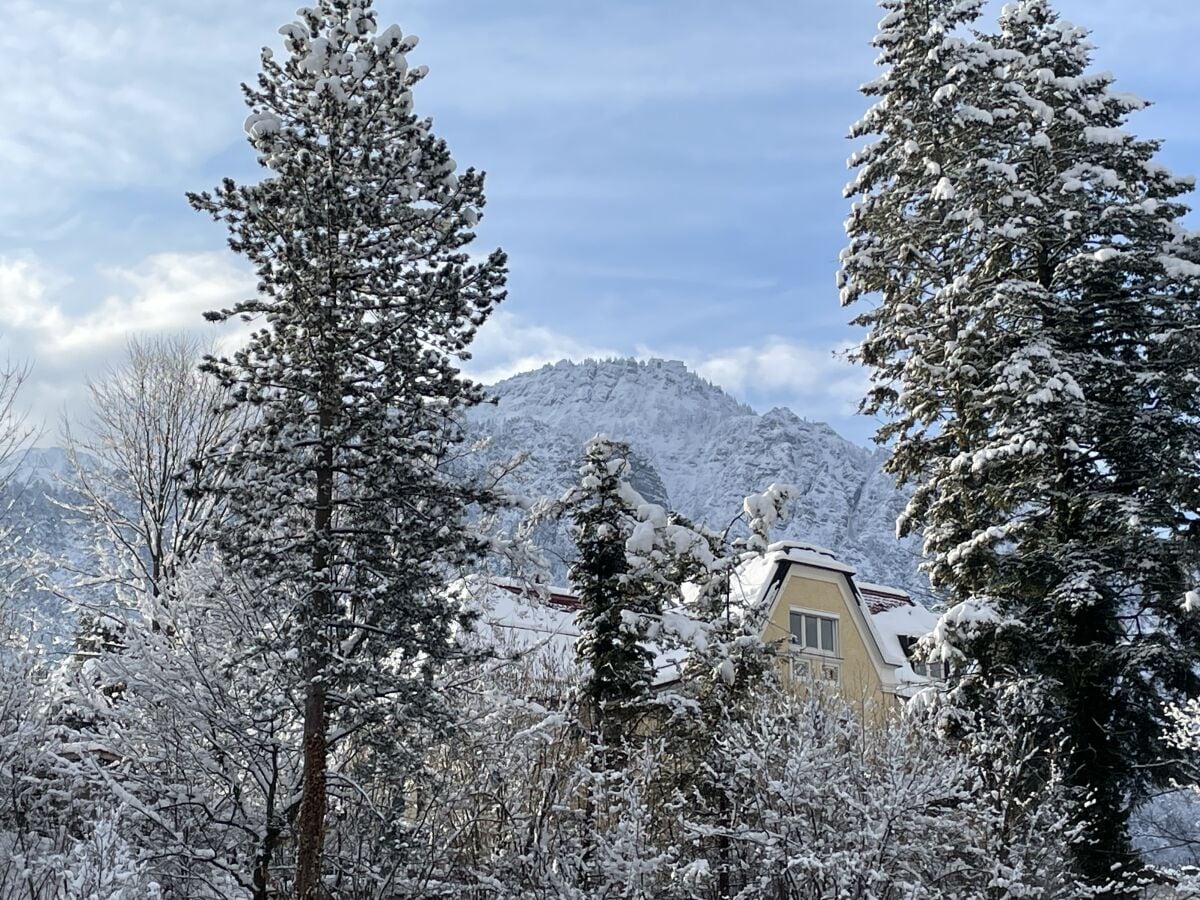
(341, 508)
(1031, 352)
(615, 597)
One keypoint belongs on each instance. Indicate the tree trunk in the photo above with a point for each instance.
(310, 823)
(262, 865)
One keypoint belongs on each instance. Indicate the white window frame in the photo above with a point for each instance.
(800, 646)
(817, 669)
(934, 670)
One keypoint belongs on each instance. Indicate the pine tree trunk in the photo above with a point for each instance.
(310, 825)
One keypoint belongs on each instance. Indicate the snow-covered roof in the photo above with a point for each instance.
(808, 554)
(520, 619)
(537, 623)
(895, 615)
(521, 622)
(563, 598)
(881, 597)
(909, 620)
(883, 590)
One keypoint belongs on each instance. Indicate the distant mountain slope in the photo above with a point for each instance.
(703, 451)
(49, 540)
(695, 449)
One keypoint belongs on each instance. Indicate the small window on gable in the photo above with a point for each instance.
(917, 660)
(817, 671)
(814, 632)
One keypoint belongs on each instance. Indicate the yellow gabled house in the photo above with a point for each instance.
(825, 625)
(828, 627)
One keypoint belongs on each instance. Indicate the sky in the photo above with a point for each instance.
(665, 175)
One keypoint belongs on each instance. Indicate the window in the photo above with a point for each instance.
(831, 673)
(816, 633)
(919, 664)
(930, 669)
(816, 670)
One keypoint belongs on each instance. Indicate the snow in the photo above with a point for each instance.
(1175, 267)
(766, 509)
(699, 452)
(388, 37)
(1191, 601)
(891, 624)
(965, 618)
(261, 124)
(333, 85)
(641, 541)
(810, 556)
(1098, 135)
(943, 190)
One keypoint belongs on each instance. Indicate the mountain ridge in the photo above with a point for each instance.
(694, 449)
(707, 449)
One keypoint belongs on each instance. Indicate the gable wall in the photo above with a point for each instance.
(818, 591)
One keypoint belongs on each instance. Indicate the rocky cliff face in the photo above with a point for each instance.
(699, 452)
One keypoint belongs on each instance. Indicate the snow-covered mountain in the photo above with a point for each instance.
(699, 451)
(695, 450)
(50, 541)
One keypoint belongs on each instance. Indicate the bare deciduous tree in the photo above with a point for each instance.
(156, 424)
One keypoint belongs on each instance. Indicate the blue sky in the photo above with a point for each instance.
(666, 176)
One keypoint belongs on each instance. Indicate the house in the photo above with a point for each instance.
(824, 624)
(830, 627)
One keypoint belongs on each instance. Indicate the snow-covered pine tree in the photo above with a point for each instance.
(616, 603)
(1093, 451)
(1041, 398)
(340, 505)
(912, 230)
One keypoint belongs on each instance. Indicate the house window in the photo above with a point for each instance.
(816, 633)
(816, 670)
(830, 673)
(918, 662)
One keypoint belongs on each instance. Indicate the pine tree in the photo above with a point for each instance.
(615, 602)
(1039, 383)
(340, 505)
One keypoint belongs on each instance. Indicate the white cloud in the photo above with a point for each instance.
(507, 345)
(168, 293)
(164, 294)
(814, 381)
(99, 97)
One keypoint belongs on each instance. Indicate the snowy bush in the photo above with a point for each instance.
(778, 794)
